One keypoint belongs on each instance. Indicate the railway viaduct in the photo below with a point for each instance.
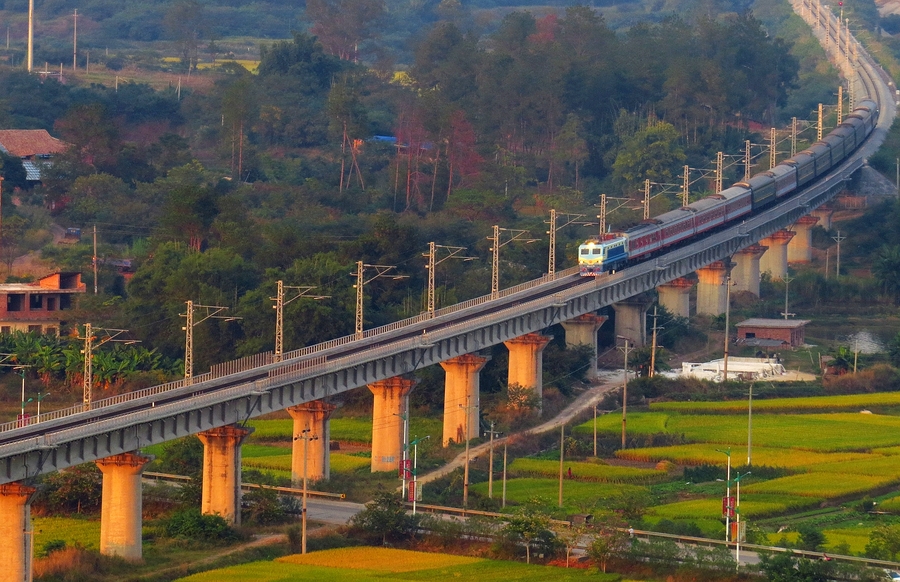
(216, 406)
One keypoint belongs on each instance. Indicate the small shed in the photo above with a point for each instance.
(789, 331)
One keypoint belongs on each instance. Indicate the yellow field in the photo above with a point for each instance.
(383, 559)
(812, 403)
(818, 485)
(706, 454)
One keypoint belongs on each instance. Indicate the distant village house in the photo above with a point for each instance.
(34, 147)
(39, 307)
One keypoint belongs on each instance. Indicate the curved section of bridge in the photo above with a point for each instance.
(235, 392)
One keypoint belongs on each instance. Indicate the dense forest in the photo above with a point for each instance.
(327, 154)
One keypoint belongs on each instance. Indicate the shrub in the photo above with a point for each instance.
(193, 525)
(75, 490)
(384, 520)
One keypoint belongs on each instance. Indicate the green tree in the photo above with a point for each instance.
(186, 24)
(884, 542)
(609, 541)
(74, 490)
(651, 154)
(528, 525)
(886, 270)
(384, 519)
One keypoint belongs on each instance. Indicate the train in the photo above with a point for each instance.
(611, 252)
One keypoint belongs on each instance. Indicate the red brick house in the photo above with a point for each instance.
(789, 331)
(41, 306)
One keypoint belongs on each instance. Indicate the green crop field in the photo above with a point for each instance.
(752, 506)
(843, 403)
(83, 532)
(576, 495)
(381, 564)
(875, 466)
(819, 485)
(817, 432)
(354, 430)
(707, 454)
(585, 471)
(340, 463)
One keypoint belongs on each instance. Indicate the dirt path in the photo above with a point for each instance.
(181, 571)
(610, 380)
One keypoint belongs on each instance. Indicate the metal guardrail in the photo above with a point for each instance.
(691, 540)
(247, 486)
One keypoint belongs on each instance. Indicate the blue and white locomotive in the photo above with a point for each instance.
(614, 251)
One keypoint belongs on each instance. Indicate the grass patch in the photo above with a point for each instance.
(83, 532)
(340, 463)
(842, 403)
(585, 471)
(638, 423)
(380, 564)
(353, 430)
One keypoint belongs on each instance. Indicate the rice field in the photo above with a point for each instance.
(340, 463)
(874, 466)
(816, 432)
(578, 497)
(821, 485)
(83, 532)
(353, 430)
(379, 564)
(707, 454)
(843, 403)
(752, 506)
(586, 471)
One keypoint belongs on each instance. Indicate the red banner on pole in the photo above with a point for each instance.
(412, 491)
(406, 468)
(728, 507)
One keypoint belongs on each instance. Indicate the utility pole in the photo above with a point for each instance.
(652, 370)
(503, 503)
(686, 186)
(840, 111)
(305, 437)
(491, 462)
(793, 136)
(838, 239)
(515, 234)
(720, 160)
(570, 219)
(772, 151)
(747, 160)
(90, 344)
(212, 312)
(787, 283)
(466, 470)
(562, 453)
(819, 124)
(29, 61)
(595, 431)
(380, 271)
(646, 199)
(95, 259)
(280, 302)
(75, 43)
(432, 263)
(602, 215)
(728, 268)
(626, 350)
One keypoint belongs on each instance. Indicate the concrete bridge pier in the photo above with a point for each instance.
(631, 318)
(746, 271)
(711, 290)
(774, 260)
(387, 425)
(824, 214)
(462, 386)
(799, 249)
(314, 417)
(16, 534)
(120, 509)
(675, 296)
(526, 368)
(582, 331)
(222, 472)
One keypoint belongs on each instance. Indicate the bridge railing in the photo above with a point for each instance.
(254, 361)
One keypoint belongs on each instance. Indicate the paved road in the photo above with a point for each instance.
(332, 512)
(611, 380)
